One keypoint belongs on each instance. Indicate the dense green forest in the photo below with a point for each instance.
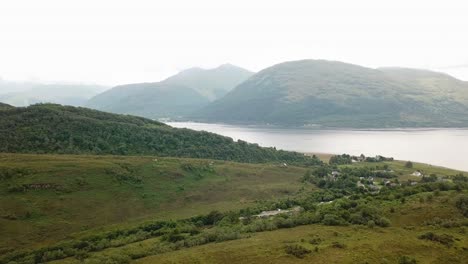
(48, 128)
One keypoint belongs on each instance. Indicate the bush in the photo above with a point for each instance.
(338, 245)
(406, 260)
(443, 239)
(331, 219)
(462, 204)
(383, 222)
(315, 241)
(297, 250)
(17, 188)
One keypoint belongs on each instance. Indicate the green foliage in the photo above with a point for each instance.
(406, 260)
(338, 245)
(409, 164)
(340, 159)
(462, 204)
(344, 208)
(296, 250)
(443, 238)
(48, 128)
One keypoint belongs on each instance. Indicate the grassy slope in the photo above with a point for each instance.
(91, 194)
(361, 244)
(102, 192)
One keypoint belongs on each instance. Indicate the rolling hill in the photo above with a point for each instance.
(5, 106)
(175, 97)
(335, 94)
(48, 128)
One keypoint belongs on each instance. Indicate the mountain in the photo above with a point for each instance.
(49, 128)
(177, 96)
(336, 94)
(211, 83)
(152, 100)
(26, 93)
(430, 84)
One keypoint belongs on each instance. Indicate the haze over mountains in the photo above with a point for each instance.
(26, 93)
(179, 95)
(312, 93)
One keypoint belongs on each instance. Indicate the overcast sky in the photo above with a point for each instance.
(114, 42)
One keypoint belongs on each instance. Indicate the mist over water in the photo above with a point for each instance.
(443, 147)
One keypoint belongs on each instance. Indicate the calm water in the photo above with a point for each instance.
(443, 147)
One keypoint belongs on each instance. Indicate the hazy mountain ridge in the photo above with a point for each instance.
(337, 94)
(152, 100)
(26, 93)
(176, 96)
(211, 83)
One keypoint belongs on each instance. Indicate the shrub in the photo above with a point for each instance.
(462, 204)
(315, 241)
(297, 250)
(338, 245)
(409, 164)
(17, 188)
(331, 219)
(443, 239)
(406, 260)
(383, 222)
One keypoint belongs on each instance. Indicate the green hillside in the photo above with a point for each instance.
(5, 106)
(175, 97)
(60, 129)
(336, 94)
(45, 198)
(115, 209)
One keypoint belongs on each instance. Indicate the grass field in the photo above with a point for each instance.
(45, 199)
(329, 244)
(87, 192)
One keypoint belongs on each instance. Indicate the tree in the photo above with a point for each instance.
(409, 164)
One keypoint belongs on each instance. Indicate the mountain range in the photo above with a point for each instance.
(177, 96)
(336, 94)
(305, 93)
(27, 93)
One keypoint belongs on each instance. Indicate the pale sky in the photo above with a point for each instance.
(115, 42)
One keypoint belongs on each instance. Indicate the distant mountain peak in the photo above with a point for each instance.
(339, 94)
